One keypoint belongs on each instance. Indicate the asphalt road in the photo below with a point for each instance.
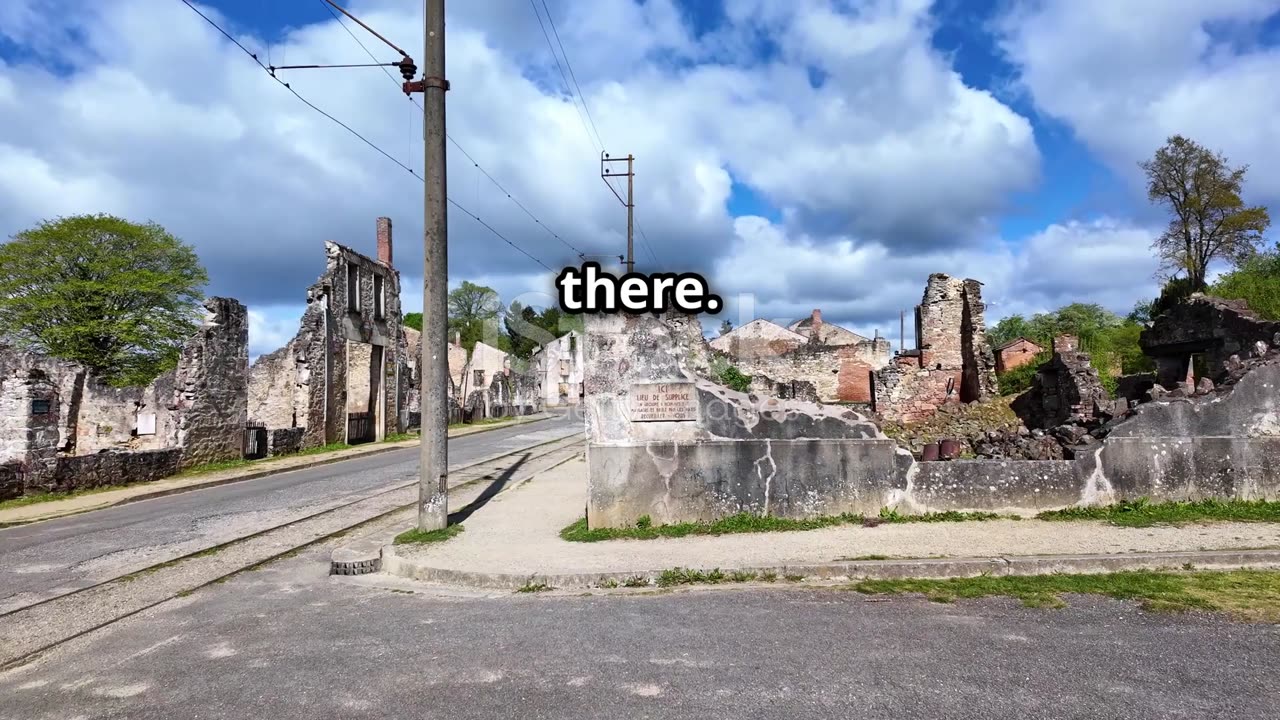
(287, 642)
(50, 558)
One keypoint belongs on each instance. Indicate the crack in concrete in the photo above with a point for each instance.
(773, 470)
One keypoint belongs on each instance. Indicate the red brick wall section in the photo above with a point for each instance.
(1017, 355)
(384, 241)
(854, 382)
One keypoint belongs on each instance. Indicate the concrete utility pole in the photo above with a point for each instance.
(433, 488)
(629, 202)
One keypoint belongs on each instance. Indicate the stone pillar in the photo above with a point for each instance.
(30, 416)
(211, 385)
(1065, 344)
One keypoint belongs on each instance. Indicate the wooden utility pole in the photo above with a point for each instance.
(433, 487)
(605, 173)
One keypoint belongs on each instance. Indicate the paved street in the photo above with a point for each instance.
(290, 642)
(53, 557)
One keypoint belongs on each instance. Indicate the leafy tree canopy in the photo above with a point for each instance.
(1209, 220)
(1257, 282)
(115, 296)
(529, 329)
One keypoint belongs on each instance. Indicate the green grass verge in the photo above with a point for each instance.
(196, 471)
(422, 537)
(749, 523)
(1141, 513)
(1246, 594)
(48, 497)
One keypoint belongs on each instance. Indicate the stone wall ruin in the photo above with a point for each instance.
(64, 429)
(666, 441)
(350, 354)
(952, 361)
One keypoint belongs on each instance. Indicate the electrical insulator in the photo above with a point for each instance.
(408, 69)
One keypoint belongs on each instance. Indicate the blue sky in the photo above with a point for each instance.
(815, 153)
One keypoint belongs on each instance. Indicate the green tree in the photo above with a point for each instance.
(1175, 291)
(726, 327)
(473, 314)
(1257, 282)
(1010, 328)
(115, 296)
(529, 329)
(1210, 221)
(413, 320)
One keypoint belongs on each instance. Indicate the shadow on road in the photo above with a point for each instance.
(494, 488)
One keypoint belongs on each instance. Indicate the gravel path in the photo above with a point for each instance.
(518, 533)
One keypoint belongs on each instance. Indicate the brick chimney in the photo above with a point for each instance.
(384, 241)
(816, 318)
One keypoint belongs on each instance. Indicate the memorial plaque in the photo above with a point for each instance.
(664, 402)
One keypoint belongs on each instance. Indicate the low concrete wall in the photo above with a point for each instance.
(112, 468)
(284, 441)
(10, 480)
(679, 482)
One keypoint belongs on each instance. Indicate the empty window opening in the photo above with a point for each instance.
(353, 288)
(379, 302)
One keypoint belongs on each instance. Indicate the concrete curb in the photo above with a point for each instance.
(925, 568)
(265, 472)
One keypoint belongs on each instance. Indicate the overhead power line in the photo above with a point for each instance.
(461, 149)
(349, 129)
(593, 134)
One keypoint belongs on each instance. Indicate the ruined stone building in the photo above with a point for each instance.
(824, 333)
(1215, 331)
(758, 338)
(345, 377)
(814, 359)
(952, 361)
(668, 442)
(62, 428)
(1016, 353)
(558, 366)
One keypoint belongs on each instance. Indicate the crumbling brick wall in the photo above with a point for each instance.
(952, 363)
(836, 373)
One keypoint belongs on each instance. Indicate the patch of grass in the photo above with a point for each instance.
(400, 437)
(748, 523)
(422, 537)
(320, 449)
(1245, 594)
(482, 421)
(534, 588)
(862, 557)
(1142, 513)
(609, 584)
(48, 497)
(685, 576)
(636, 581)
(794, 578)
(891, 515)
